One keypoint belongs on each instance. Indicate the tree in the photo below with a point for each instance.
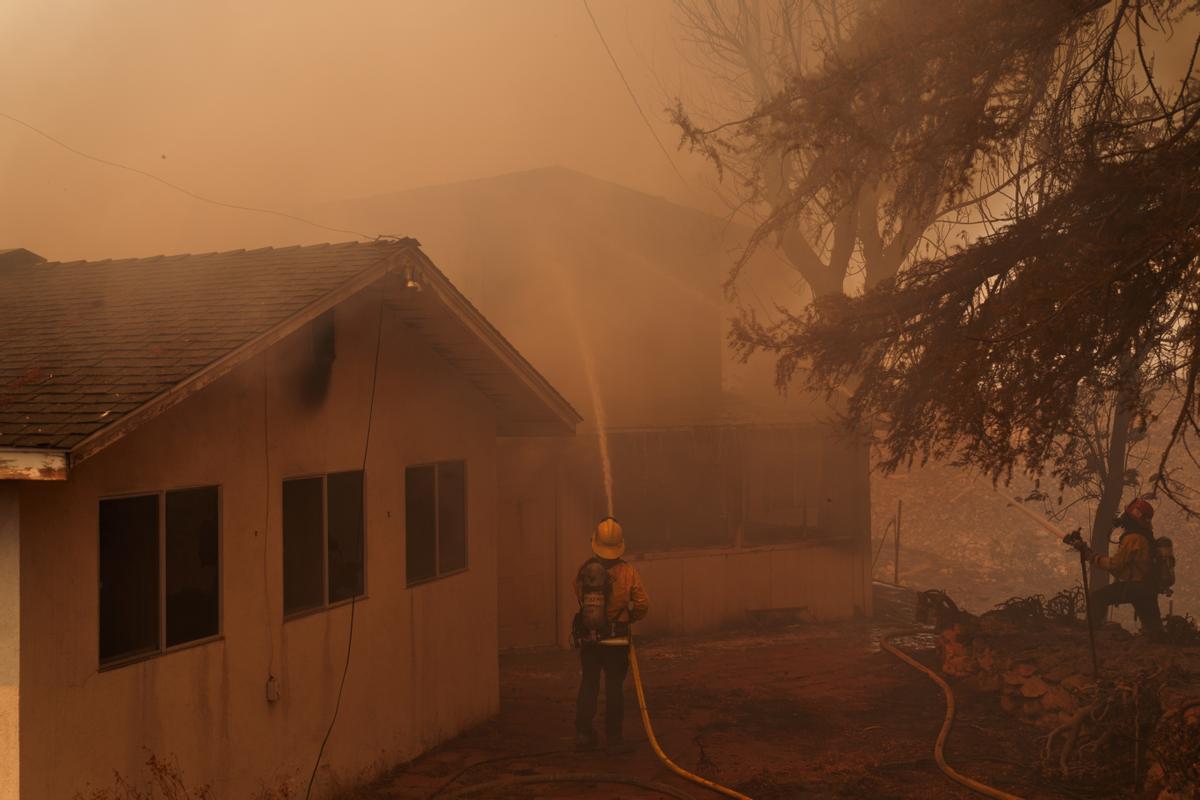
(856, 128)
(1087, 297)
(874, 132)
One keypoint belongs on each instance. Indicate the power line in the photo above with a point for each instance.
(354, 598)
(179, 188)
(633, 96)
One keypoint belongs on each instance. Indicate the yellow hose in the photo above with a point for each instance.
(658, 751)
(886, 643)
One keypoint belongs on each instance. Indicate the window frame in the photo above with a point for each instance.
(160, 646)
(325, 604)
(437, 523)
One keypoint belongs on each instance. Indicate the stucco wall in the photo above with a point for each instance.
(424, 662)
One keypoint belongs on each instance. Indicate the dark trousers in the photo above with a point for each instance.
(613, 660)
(1143, 597)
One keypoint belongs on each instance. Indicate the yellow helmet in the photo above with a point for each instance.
(608, 541)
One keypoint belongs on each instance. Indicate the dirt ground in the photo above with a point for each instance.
(801, 711)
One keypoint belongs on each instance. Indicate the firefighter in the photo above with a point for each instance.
(602, 633)
(1132, 568)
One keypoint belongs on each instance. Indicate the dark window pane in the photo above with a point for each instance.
(676, 489)
(345, 535)
(420, 523)
(128, 576)
(303, 545)
(452, 516)
(782, 481)
(193, 578)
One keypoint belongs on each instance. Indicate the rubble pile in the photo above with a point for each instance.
(1137, 725)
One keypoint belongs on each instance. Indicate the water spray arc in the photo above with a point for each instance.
(589, 369)
(587, 358)
(588, 361)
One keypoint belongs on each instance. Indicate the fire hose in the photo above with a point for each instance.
(939, 746)
(514, 780)
(658, 751)
(885, 643)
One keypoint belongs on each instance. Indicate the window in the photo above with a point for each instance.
(435, 519)
(323, 543)
(159, 572)
(783, 485)
(677, 489)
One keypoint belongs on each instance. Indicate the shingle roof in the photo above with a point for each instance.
(83, 344)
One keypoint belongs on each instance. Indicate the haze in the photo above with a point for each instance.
(288, 105)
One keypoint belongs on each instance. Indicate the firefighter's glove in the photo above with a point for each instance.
(1075, 539)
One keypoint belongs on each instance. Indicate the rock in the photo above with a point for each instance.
(1034, 687)
(1061, 718)
(1155, 777)
(1051, 660)
(1061, 671)
(958, 667)
(1058, 699)
(1031, 710)
(1079, 683)
(1026, 670)
(1013, 678)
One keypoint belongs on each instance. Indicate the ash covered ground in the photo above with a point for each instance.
(799, 711)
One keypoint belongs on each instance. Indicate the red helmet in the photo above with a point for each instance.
(1140, 510)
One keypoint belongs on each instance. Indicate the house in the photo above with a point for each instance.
(229, 480)
(734, 499)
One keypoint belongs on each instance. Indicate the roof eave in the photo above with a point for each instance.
(122, 427)
(562, 417)
(33, 464)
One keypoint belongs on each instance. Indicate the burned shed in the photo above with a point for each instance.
(222, 476)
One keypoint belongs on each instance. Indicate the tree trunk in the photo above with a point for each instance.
(1113, 483)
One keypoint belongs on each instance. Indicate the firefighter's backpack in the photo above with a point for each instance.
(1163, 555)
(595, 586)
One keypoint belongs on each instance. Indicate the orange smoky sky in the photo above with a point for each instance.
(289, 105)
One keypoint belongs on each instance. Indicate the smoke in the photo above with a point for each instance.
(285, 106)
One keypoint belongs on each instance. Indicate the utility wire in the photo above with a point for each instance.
(337, 706)
(179, 188)
(633, 96)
